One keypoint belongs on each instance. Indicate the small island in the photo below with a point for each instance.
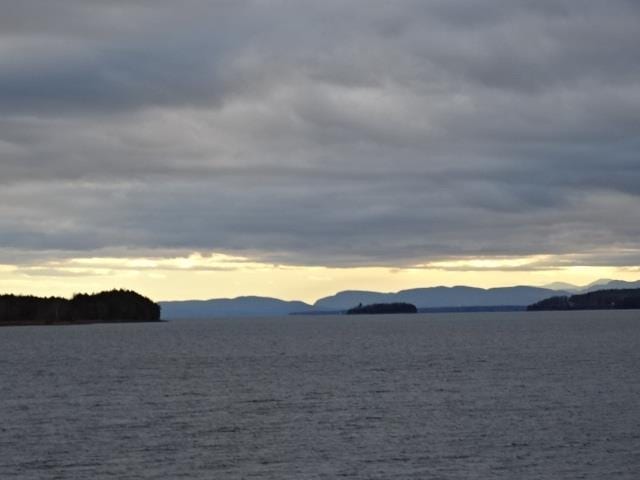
(598, 300)
(382, 308)
(104, 307)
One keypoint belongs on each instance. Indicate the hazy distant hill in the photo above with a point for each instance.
(568, 287)
(610, 285)
(438, 297)
(601, 284)
(233, 307)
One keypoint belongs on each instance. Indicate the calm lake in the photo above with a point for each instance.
(448, 396)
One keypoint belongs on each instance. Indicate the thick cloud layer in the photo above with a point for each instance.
(322, 133)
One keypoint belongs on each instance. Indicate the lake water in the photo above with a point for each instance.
(450, 396)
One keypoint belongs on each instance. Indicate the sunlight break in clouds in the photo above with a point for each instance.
(202, 276)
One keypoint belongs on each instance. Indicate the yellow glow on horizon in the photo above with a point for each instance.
(202, 276)
(486, 263)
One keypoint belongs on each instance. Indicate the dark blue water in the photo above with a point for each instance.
(504, 396)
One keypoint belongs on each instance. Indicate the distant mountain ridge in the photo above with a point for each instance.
(240, 307)
(438, 297)
(610, 285)
(569, 287)
(431, 298)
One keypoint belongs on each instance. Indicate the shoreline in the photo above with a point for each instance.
(36, 323)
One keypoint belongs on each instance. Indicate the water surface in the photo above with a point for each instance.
(449, 396)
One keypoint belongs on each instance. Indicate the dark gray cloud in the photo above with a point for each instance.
(331, 133)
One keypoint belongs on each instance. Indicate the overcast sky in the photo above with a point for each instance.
(362, 133)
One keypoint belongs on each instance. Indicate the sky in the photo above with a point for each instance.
(203, 149)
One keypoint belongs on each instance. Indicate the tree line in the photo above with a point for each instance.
(383, 308)
(598, 300)
(110, 306)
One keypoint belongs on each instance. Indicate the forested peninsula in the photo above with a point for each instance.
(104, 307)
(598, 300)
(383, 308)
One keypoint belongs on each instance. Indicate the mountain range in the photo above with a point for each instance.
(459, 297)
(602, 284)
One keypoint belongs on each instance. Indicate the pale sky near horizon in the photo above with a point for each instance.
(220, 276)
(298, 148)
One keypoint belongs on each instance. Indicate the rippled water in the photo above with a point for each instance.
(513, 396)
